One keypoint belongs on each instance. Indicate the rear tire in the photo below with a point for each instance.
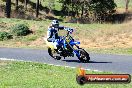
(57, 57)
(84, 56)
(51, 54)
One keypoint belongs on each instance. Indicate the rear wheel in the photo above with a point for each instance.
(57, 57)
(50, 51)
(84, 56)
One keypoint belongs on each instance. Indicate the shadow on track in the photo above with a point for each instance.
(77, 61)
(99, 62)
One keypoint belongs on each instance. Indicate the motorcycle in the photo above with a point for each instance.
(68, 47)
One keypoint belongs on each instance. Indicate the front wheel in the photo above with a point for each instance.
(84, 56)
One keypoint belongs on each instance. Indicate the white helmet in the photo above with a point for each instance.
(55, 23)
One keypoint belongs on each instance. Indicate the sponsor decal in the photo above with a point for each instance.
(83, 78)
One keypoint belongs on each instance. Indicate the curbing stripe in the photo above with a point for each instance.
(48, 64)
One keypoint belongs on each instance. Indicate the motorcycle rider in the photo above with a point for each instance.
(52, 33)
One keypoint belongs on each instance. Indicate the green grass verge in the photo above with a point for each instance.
(120, 51)
(84, 32)
(37, 75)
(121, 3)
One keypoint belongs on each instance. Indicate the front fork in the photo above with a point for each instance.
(75, 51)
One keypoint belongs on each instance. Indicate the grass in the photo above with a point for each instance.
(37, 75)
(101, 38)
(121, 3)
(47, 3)
(120, 51)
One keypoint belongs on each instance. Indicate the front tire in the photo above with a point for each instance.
(84, 56)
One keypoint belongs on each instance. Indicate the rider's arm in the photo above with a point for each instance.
(49, 39)
(48, 33)
(61, 28)
(64, 28)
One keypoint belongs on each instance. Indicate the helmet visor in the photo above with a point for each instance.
(56, 25)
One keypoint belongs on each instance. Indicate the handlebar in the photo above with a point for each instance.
(70, 30)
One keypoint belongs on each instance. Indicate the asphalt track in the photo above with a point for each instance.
(101, 62)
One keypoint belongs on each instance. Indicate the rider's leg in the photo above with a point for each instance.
(55, 45)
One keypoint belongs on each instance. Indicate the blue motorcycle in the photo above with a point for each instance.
(68, 47)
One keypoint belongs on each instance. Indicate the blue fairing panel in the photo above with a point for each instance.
(74, 43)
